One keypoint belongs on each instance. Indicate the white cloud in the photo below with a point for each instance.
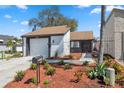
(8, 16)
(24, 7)
(95, 11)
(24, 22)
(99, 24)
(22, 30)
(15, 21)
(108, 9)
(82, 6)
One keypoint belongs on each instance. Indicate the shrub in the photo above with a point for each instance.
(34, 80)
(106, 81)
(44, 62)
(19, 76)
(61, 62)
(33, 66)
(78, 75)
(50, 71)
(118, 68)
(107, 63)
(46, 82)
(67, 66)
(85, 63)
(17, 54)
(46, 66)
(120, 79)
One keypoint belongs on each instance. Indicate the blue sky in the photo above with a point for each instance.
(14, 19)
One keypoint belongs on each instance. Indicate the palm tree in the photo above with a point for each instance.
(101, 51)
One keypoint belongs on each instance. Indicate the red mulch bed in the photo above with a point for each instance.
(74, 56)
(61, 79)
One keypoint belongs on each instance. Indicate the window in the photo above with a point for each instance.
(75, 44)
(1, 41)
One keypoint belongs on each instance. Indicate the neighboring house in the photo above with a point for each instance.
(81, 41)
(50, 41)
(19, 47)
(114, 34)
(3, 42)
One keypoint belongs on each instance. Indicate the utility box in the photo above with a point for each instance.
(110, 73)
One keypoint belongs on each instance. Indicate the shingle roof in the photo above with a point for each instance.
(47, 31)
(82, 35)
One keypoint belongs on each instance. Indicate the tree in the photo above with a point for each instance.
(10, 44)
(101, 51)
(52, 17)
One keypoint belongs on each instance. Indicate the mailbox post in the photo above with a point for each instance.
(37, 60)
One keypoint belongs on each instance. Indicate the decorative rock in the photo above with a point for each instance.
(110, 73)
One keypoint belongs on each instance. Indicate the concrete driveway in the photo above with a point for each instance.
(9, 68)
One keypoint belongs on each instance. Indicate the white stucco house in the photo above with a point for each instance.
(50, 41)
(47, 42)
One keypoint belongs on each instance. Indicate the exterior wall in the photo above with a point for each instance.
(60, 44)
(66, 41)
(24, 46)
(113, 36)
(3, 47)
(57, 45)
(19, 48)
(109, 38)
(119, 28)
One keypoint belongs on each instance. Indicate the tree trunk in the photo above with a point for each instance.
(101, 47)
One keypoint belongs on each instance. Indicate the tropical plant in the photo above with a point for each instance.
(50, 71)
(46, 82)
(67, 66)
(19, 75)
(98, 72)
(33, 66)
(92, 74)
(100, 69)
(52, 17)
